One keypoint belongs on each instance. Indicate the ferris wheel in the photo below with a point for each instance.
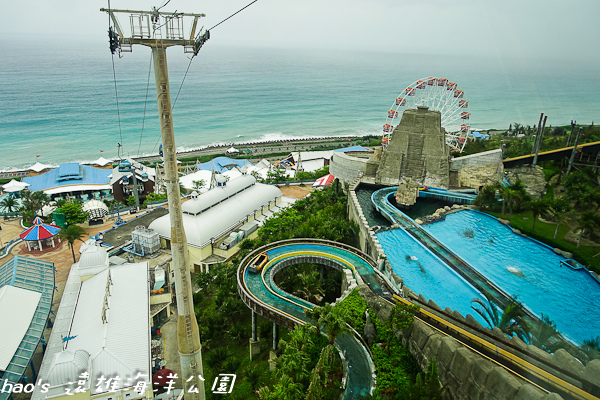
(439, 94)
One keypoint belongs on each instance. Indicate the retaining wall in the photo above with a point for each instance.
(345, 167)
(476, 160)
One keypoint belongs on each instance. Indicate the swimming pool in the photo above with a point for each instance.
(570, 297)
(426, 274)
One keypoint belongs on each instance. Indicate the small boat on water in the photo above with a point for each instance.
(259, 262)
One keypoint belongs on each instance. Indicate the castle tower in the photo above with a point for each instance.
(417, 151)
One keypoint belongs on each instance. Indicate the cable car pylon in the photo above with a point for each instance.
(159, 30)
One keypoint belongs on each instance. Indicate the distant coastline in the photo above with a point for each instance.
(257, 147)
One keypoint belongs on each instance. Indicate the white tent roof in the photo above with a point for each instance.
(39, 167)
(232, 150)
(262, 168)
(70, 188)
(17, 307)
(47, 210)
(94, 205)
(188, 180)
(14, 186)
(101, 161)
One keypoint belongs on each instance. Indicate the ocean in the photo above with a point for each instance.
(59, 104)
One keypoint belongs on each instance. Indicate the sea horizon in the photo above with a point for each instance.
(61, 104)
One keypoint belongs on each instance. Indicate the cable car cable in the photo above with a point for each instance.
(190, 63)
(115, 79)
(145, 104)
(237, 12)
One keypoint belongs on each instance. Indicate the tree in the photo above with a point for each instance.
(310, 287)
(73, 212)
(557, 208)
(130, 201)
(541, 333)
(40, 199)
(591, 347)
(199, 184)
(509, 321)
(427, 385)
(70, 234)
(588, 220)
(538, 207)
(9, 204)
(513, 196)
(486, 198)
(334, 318)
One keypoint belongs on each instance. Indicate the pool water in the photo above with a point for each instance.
(569, 297)
(423, 207)
(426, 274)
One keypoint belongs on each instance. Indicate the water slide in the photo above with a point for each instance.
(447, 195)
(264, 297)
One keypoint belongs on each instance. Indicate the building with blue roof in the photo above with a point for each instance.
(73, 180)
(353, 149)
(222, 164)
(26, 291)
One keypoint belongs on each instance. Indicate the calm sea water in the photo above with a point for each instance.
(58, 102)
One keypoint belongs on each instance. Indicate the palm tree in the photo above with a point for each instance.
(40, 199)
(543, 332)
(217, 357)
(509, 321)
(315, 315)
(335, 320)
(538, 207)
(310, 287)
(9, 204)
(591, 347)
(587, 221)
(511, 199)
(72, 233)
(557, 208)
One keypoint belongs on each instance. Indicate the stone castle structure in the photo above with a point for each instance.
(417, 150)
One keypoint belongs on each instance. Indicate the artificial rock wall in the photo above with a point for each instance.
(417, 150)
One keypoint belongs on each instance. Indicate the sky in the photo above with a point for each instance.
(524, 31)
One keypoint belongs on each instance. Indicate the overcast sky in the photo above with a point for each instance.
(521, 29)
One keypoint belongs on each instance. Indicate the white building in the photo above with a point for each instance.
(211, 218)
(102, 329)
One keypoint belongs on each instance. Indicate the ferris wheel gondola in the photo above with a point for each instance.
(439, 94)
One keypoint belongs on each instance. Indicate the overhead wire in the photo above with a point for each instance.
(146, 102)
(192, 58)
(237, 12)
(116, 90)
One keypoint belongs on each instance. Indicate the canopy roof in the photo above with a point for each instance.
(68, 177)
(39, 231)
(222, 164)
(39, 167)
(17, 307)
(14, 186)
(33, 276)
(324, 180)
(101, 162)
